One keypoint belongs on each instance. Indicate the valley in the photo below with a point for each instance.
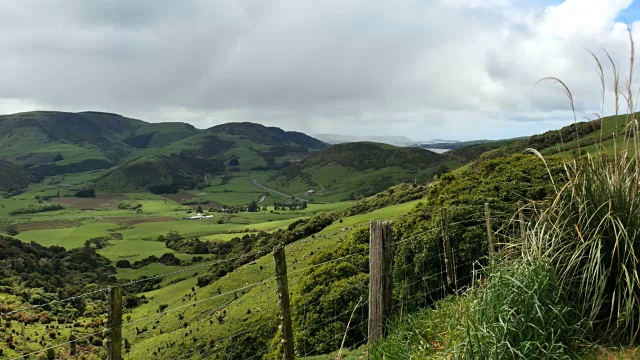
(184, 221)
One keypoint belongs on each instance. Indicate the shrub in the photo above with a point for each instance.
(37, 209)
(51, 354)
(205, 280)
(123, 264)
(86, 193)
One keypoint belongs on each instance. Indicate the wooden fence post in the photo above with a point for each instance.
(487, 214)
(380, 279)
(449, 259)
(114, 346)
(283, 301)
(521, 218)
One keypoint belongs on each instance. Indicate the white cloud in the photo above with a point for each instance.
(447, 69)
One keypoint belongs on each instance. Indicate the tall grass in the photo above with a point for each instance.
(590, 233)
(522, 313)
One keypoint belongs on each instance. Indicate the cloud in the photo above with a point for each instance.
(447, 69)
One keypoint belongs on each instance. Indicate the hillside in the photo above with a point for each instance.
(340, 139)
(50, 143)
(14, 178)
(354, 170)
(158, 174)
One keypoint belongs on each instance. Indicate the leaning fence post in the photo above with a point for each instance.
(449, 260)
(487, 214)
(114, 346)
(380, 279)
(283, 301)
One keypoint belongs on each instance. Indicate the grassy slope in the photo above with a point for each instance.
(354, 170)
(53, 143)
(260, 300)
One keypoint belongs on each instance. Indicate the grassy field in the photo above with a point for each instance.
(259, 299)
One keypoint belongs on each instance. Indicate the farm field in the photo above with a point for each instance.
(131, 224)
(134, 234)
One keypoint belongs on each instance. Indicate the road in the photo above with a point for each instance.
(255, 182)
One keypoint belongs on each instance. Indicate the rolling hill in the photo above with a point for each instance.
(139, 153)
(354, 170)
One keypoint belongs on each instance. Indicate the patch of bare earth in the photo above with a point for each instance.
(181, 196)
(101, 201)
(50, 224)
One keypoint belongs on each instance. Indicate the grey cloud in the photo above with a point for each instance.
(305, 65)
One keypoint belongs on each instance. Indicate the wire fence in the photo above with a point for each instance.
(206, 322)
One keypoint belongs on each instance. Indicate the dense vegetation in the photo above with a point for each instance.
(37, 209)
(14, 178)
(417, 268)
(41, 274)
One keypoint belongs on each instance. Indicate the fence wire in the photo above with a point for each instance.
(433, 286)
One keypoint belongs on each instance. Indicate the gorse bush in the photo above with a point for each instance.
(522, 313)
(328, 294)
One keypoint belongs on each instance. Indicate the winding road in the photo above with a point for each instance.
(257, 184)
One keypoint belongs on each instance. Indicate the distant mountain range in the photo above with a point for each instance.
(397, 141)
(341, 139)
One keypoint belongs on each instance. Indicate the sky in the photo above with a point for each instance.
(424, 69)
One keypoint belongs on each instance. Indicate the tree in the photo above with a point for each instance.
(123, 264)
(199, 210)
(253, 207)
(11, 230)
(234, 162)
(86, 193)
(441, 170)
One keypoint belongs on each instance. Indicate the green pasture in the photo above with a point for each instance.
(260, 300)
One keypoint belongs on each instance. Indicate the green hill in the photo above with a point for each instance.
(50, 143)
(158, 174)
(354, 170)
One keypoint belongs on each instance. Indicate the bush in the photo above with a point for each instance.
(11, 230)
(97, 243)
(205, 280)
(86, 193)
(37, 209)
(331, 288)
(51, 354)
(123, 264)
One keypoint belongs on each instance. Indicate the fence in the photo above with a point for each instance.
(446, 266)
